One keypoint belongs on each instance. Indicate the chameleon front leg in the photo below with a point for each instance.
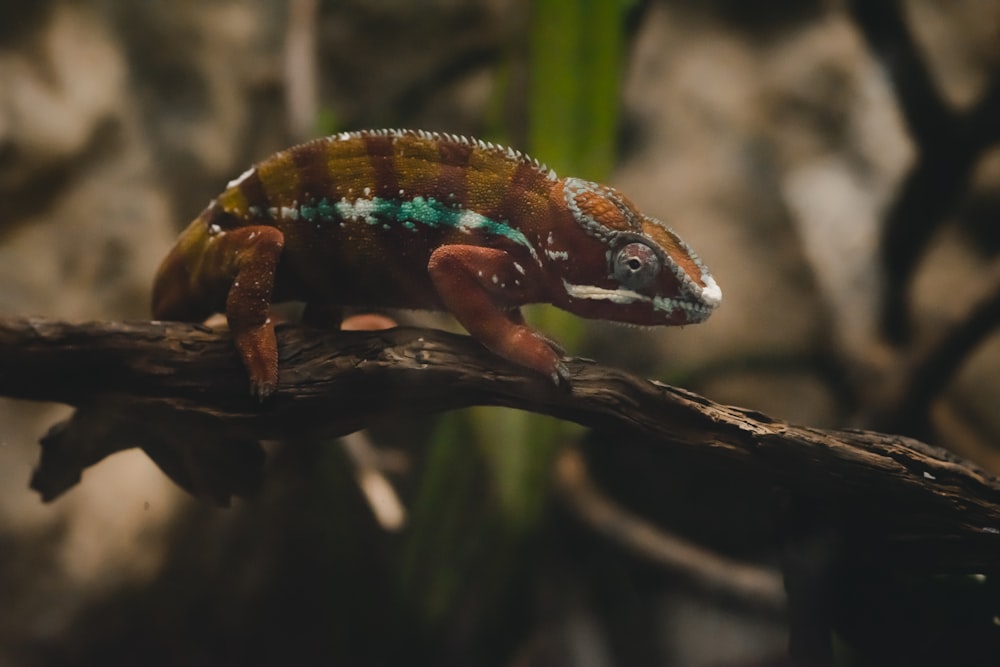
(482, 288)
(250, 255)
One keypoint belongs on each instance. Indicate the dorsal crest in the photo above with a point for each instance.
(497, 150)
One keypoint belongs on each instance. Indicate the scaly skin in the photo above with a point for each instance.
(413, 219)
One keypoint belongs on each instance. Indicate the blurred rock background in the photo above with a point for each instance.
(773, 138)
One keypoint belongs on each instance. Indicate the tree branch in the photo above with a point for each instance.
(933, 365)
(949, 143)
(179, 392)
(714, 572)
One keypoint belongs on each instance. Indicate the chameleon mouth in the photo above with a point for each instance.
(695, 308)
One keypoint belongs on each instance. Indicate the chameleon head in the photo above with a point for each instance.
(648, 275)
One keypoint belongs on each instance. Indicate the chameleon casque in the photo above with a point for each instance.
(422, 220)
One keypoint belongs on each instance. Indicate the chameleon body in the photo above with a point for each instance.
(415, 219)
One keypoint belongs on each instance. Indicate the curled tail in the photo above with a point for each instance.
(179, 289)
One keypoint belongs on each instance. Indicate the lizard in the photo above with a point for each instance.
(425, 220)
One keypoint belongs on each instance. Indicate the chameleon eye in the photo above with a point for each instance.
(636, 266)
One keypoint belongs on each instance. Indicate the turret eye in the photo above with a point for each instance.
(636, 266)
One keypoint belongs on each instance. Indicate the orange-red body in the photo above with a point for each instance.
(413, 219)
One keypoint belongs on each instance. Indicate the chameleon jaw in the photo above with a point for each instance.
(696, 309)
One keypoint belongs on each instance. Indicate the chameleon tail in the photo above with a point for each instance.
(177, 291)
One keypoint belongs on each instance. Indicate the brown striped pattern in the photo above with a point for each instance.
(452, 177)
(280, 178)
(521, 196)
(316, 179)
(454, 170)
(381, 152)
(489, 176)
(417, 165)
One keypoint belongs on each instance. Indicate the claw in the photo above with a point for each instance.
(560, 375)
(261, 390)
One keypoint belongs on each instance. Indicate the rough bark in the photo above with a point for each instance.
(179, 392)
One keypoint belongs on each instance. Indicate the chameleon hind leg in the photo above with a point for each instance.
(483, 288)
(250, 256)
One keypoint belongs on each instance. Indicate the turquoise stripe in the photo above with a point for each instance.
(426, 211)
(410, 214)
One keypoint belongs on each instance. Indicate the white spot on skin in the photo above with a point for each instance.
(242, 177)
(362, 209)
(214, 229)
(469, 220)
(368, 192)
(557, 254)
(495, 279)
(549, 240)
(927, 475)
(288, 213)
(520, 269)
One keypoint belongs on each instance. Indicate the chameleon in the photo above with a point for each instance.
(425, 220)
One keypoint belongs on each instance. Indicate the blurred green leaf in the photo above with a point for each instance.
(460, 558)
(577, 56)
(441, 539)
(519, 448)
(326, 122)
(486, 486)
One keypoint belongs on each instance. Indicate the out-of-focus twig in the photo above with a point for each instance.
(758, 585)
(301, 69)
(949, 143)
(933, 367)
(884, 27)
(378, 491)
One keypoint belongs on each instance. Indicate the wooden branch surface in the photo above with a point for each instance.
(179, 392)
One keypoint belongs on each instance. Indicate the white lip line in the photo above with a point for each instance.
(628, 296)
(594, 292)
